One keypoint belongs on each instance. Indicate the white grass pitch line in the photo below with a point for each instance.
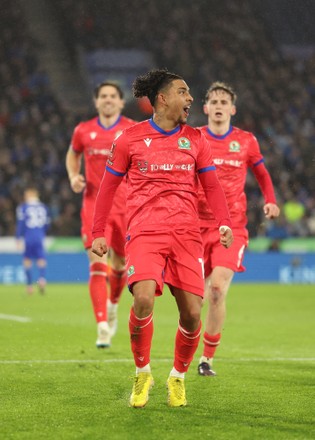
(110, 361)
(15, 318)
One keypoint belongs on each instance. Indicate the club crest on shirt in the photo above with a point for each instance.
(131, 271)
(143, 166)
(234, 147)
(93, 135)
(183, 143)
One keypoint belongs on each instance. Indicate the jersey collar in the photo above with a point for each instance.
(217, 136)
(167, 133)
(111, 126)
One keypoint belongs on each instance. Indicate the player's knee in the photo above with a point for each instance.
(217, 294)
(190, 319)
(143, 304)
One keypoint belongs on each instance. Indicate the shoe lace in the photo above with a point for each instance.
(205, 366)
(178, 389)
(140, 382)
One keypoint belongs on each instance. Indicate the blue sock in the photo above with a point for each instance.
(28, 274)
(42, 272)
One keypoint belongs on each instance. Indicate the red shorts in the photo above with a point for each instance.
(172, 257)
(217, 255)
(115, 232)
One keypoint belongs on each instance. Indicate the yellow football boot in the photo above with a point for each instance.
(140, 390)
(176, 392)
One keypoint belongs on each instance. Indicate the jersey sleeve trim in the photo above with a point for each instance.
(258, 163)
(116, 173)
(204, 170)
(76, 151)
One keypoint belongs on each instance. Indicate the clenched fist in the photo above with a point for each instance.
(99, 246)
(226, 236)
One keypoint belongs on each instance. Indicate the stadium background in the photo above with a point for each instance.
(52, 54)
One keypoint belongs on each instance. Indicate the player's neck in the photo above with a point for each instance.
(164, 123)
(219, 128)
(108, 121)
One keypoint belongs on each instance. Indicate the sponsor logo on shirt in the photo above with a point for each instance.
(232, 163)
(172, 167)
(183, 143)
(234, 147)
(95, 151)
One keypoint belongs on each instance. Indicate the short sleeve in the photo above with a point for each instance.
(204, 157)
(76, 140)
(254, 154)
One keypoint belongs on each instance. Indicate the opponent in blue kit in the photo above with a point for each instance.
(32, 223)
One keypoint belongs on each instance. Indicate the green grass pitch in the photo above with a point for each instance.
(55, 384)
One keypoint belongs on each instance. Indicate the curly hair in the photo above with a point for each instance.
(152, 82)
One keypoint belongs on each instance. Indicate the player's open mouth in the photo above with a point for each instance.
(186, 110)
(218, 114)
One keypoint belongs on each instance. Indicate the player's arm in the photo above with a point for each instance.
(103, 205)
(213, 191)
(116, 168)
(217, 202)
(263, 178)
(73, 166)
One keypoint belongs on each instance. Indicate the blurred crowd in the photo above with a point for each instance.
(203, 41)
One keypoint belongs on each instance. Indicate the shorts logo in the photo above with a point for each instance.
(131, 271)
(183, 143)
(234, 147)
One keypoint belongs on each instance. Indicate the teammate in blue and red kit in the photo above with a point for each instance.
(234, 151)
(162, 158)
(93, 139)
(31, 227)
